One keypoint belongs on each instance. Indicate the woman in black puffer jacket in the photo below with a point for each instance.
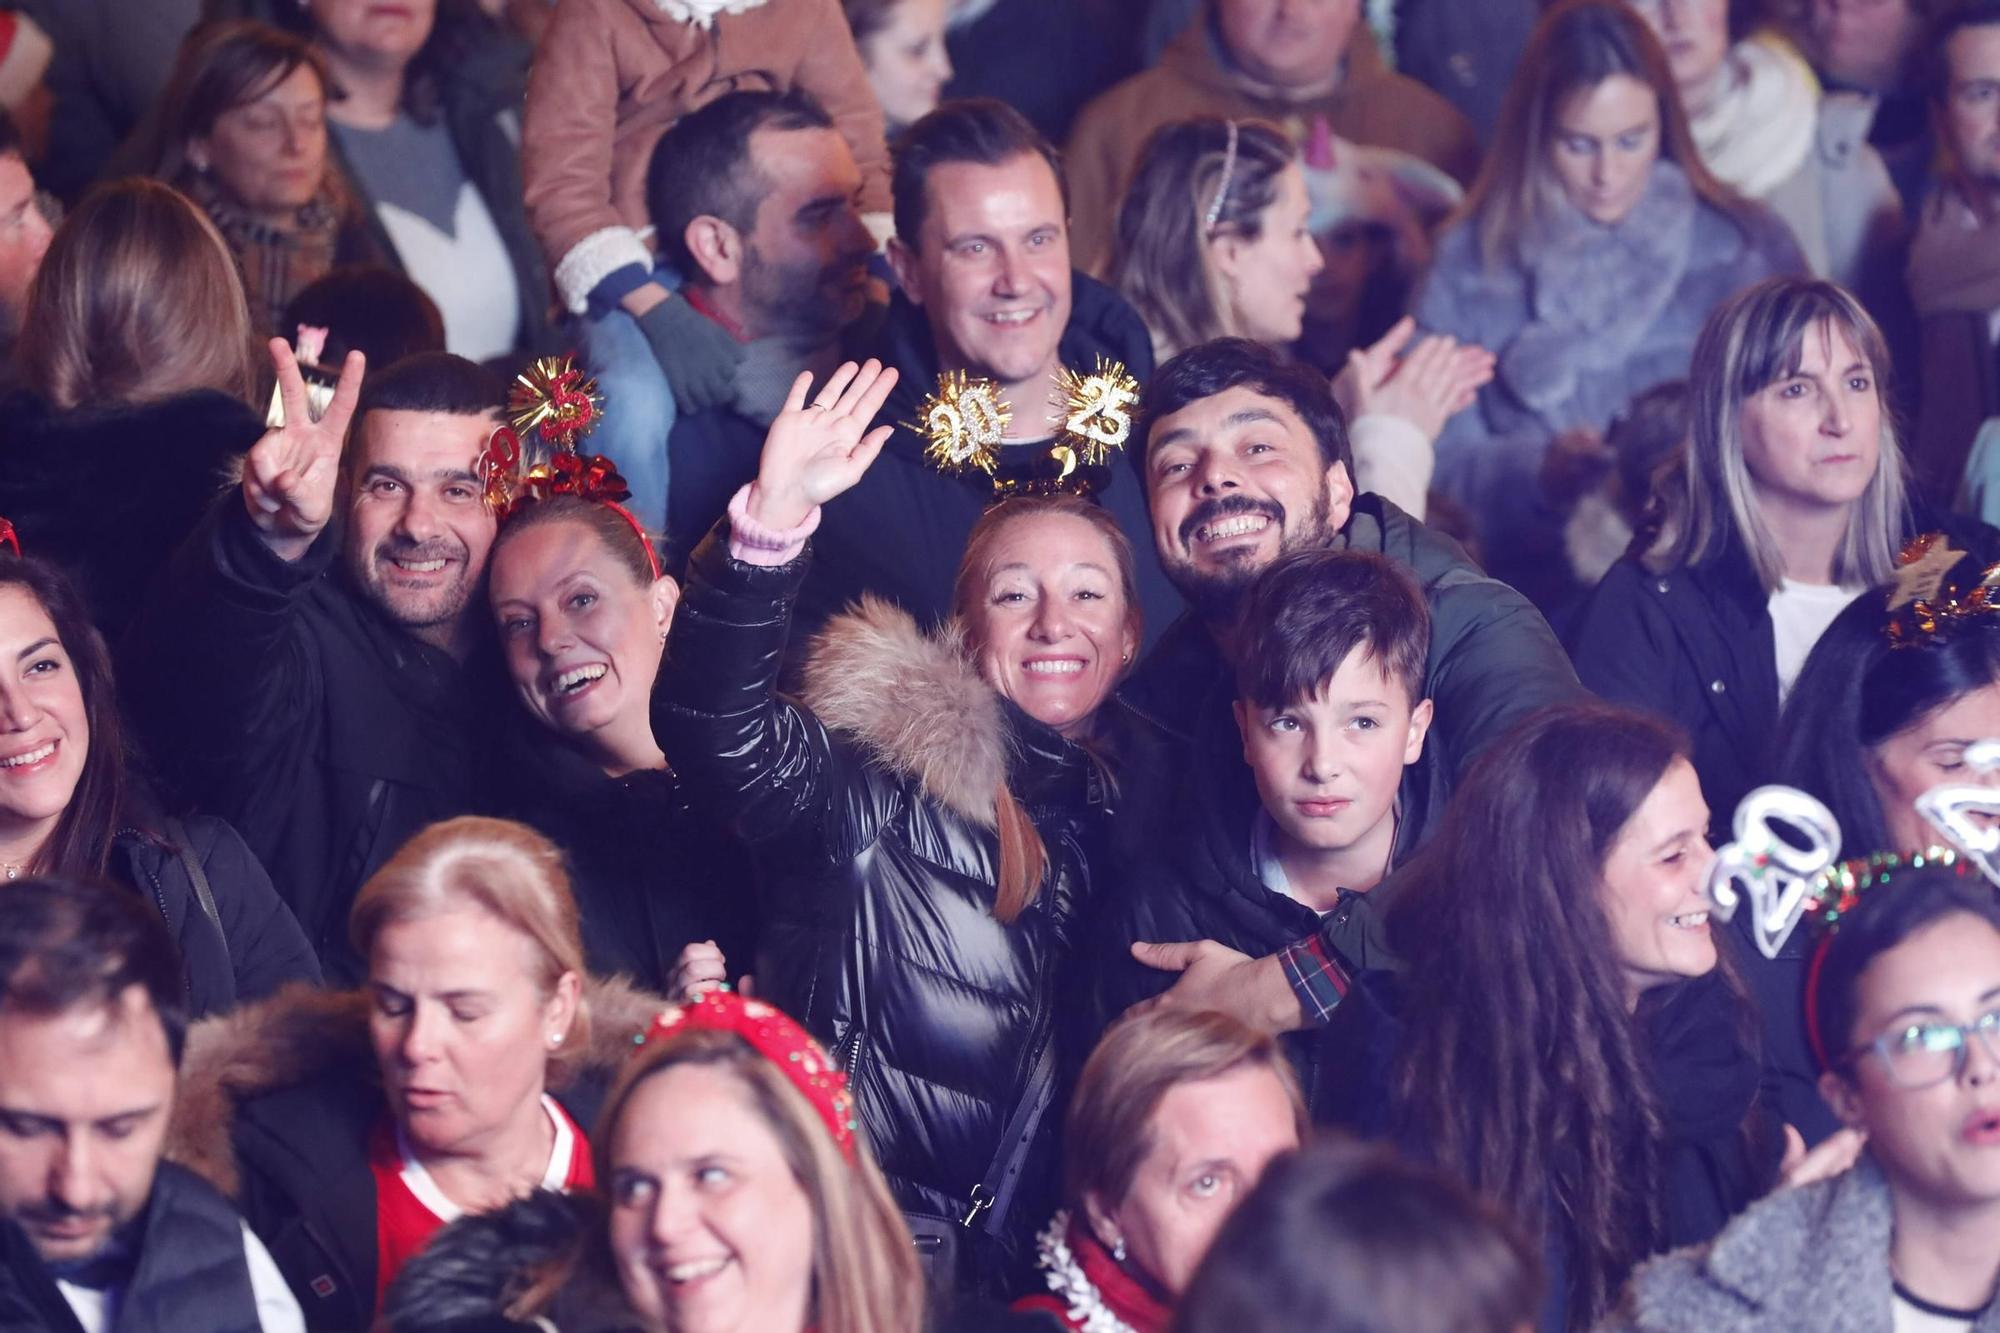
(923, 818)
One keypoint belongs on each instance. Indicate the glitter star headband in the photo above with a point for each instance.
(1938, 591)
(552, 404)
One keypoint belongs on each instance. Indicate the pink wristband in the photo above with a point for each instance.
(754, 544)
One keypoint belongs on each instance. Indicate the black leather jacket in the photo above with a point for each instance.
(870, 810)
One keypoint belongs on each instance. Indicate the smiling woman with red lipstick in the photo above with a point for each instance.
(1905, 1006)
(922, 816)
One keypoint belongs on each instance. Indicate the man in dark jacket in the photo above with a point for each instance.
(1246, 458)
(753, 201)
(97, 1234)
(303, 678)
(982, 254)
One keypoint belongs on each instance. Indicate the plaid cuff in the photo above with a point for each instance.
(1316, 978)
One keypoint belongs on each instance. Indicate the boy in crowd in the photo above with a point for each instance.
(1339, 787)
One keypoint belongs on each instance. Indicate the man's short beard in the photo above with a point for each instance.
(787, 302)
(1217, 598)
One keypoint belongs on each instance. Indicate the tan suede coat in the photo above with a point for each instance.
(1372, 105)
(610, 77)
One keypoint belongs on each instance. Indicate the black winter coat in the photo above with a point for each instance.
(649, 874)
(192, 1271)
(110, 493)
(870, 809)
(273, 696)
(1695, 646)
(259, 946)
(1720, 1149)
(1493, 659)
(900, 532)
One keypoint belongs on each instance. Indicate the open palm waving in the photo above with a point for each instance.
(818, 450)
(290, 475)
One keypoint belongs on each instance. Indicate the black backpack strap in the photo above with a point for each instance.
(184, 848)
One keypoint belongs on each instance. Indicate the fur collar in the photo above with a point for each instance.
(304, 1032)
(1594, 291)
(916, 703)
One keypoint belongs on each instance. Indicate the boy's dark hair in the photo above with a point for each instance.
(980, 130)
(433, 382)
(1230, 363)
(1310, 610)
(1947, 23)
(66, 943)
(702, 168)
(1886, 916)
(1346, 1236)
(369, 309)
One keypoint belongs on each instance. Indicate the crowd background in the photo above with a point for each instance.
(887, 665)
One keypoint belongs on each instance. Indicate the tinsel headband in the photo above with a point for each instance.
(773, 1034)
(553, 404)
(1214, 214)
(1837, 892)
(1939, 590)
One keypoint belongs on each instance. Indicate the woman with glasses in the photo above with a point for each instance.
(1906, 1016)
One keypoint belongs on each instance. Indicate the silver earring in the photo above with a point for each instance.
(556, 1039)
(1118, 1250)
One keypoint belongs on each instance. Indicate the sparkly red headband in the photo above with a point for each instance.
(552, 402)
(10, 538)
(774, 1035)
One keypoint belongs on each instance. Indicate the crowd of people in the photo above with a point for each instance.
(928, 666)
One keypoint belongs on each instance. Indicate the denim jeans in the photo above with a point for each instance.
(638, 408)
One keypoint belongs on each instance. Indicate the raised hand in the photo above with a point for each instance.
(816, 451)
(289, 476)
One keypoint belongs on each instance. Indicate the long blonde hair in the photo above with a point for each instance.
(1023, 859)
(866, 1278)
(137, 300)
(1577, 45)
(1752, 341)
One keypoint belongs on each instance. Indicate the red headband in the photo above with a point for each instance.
(10, 538)
(774, 1035)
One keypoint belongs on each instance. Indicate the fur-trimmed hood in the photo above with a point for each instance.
(303, 1033)
(916, 703)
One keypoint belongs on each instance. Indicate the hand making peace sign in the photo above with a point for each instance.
(290, 475)
(816, 451)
